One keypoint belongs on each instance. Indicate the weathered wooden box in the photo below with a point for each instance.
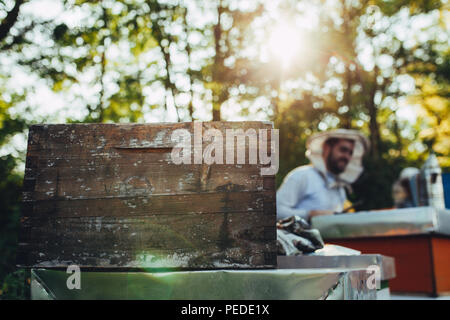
(112, 196)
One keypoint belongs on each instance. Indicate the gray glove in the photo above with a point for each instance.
(295, 236)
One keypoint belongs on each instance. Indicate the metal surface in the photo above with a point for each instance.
(431, 174)
(395, 222)
(385, 263)
(287, 284)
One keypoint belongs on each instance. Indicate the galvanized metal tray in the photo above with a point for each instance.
(395, 222)
(287, 284)
(385, 263)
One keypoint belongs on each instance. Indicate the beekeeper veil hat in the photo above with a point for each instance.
(314, 146)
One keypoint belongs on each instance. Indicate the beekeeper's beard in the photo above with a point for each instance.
(336, 165)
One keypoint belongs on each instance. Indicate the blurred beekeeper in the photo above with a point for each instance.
(319, 188)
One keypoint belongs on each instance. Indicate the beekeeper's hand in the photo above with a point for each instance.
(314, 213)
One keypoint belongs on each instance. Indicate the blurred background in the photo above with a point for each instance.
(379, 66)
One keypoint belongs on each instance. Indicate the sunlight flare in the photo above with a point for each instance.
(284, 43)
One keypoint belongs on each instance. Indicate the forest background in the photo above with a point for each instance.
(379, 66)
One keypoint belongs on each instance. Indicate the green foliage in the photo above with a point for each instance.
(126, 59)
(296, 123)
(433, 95)
(10, 194)
(368, 98)
(10, 190)
(16, 286)
(374, 187)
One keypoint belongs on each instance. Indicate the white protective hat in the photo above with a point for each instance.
(314, 150)
(408, 173)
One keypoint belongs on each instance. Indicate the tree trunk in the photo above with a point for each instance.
(189, 70)
(374, 128)
(169, 86)
(100, 107)
(346, 118)
(218, 63)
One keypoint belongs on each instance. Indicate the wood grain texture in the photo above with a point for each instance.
(109, 196)
(441, 263)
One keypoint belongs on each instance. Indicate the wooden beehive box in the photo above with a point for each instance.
(111, 196)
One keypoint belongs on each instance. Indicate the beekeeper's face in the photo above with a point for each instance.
(399, 194)
(337, 154)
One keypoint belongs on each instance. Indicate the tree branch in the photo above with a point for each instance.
(10, 20)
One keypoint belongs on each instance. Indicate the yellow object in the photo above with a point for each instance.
(348, 204)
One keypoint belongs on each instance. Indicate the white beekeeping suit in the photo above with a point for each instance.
(312, 187)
